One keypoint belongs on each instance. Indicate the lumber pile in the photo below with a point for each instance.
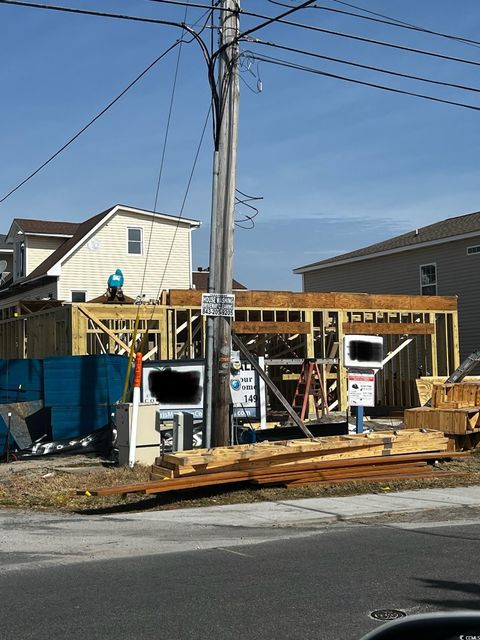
(426, 383)
(374, 456)
(455, 410)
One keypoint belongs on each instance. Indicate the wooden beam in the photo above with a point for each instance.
(310, 300)
(390, 328)
(104, 328)
(271, 327)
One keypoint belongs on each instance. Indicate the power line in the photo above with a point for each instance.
(299, 67)
(382, 43)
(179, 3)
(117, 16)
(165, 140)
(267, 21)
(101, 14)
(392, 22)
(185, 196)
(362, 66)
(92, 121)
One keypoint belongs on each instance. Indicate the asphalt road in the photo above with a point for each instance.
(320, 586)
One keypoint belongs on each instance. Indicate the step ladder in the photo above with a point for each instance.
(464, 369)
(309, 385)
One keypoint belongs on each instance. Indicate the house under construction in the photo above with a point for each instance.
(420, 334)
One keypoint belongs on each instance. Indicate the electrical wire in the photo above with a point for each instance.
(178, 3)
(164, 148)
(269, 20)
(309, 27)
(87, 12)
(245, 201)
(185, 196)
(92, 121)
(292, 65)
(363, 66)
(392, 22)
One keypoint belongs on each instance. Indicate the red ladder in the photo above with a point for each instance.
(309, 384)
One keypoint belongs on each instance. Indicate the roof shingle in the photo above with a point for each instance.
(444, 229)
(50, 227)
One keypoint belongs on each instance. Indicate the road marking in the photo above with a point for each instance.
(237, 553)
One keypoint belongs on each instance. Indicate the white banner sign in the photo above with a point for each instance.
(361, 389)
(218, 304)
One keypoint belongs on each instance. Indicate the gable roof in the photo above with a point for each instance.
(87, 228)
(46, 227)
(437, 233)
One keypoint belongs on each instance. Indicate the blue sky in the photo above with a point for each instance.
(339, 165)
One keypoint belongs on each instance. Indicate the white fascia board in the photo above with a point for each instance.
(379, 254)
(49, 235)
(56, 270)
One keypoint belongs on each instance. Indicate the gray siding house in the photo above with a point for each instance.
(440, 259)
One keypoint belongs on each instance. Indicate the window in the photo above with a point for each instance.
(428, 279)
(79, 296)
(472, 250)
(135, 241)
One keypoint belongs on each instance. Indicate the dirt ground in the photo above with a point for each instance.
(49, 484)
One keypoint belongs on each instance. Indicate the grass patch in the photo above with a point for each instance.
(50, 489)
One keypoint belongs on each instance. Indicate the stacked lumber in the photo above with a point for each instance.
(374, 456)
(455, 410)
(426, 383)
(456, 395)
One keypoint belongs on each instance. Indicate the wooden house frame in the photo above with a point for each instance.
(284, 327)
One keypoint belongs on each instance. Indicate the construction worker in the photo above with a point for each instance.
(115, 284)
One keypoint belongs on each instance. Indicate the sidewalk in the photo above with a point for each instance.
(310, 511)
(38, 540)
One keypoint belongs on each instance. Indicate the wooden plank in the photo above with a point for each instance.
(271, 327)
(310, 300)
(388, 328)
(401, 476)
(265, 467)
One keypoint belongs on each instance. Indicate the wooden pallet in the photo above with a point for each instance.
(448, 421)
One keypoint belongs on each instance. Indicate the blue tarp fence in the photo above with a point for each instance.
(78, 392)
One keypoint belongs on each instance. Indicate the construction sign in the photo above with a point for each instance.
(361, 388)
(218, 304)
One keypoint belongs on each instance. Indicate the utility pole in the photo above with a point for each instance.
(217, 384)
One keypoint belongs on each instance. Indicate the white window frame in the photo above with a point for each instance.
(473, 253)
(141, 241)
(429, 264)
(72, 291)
